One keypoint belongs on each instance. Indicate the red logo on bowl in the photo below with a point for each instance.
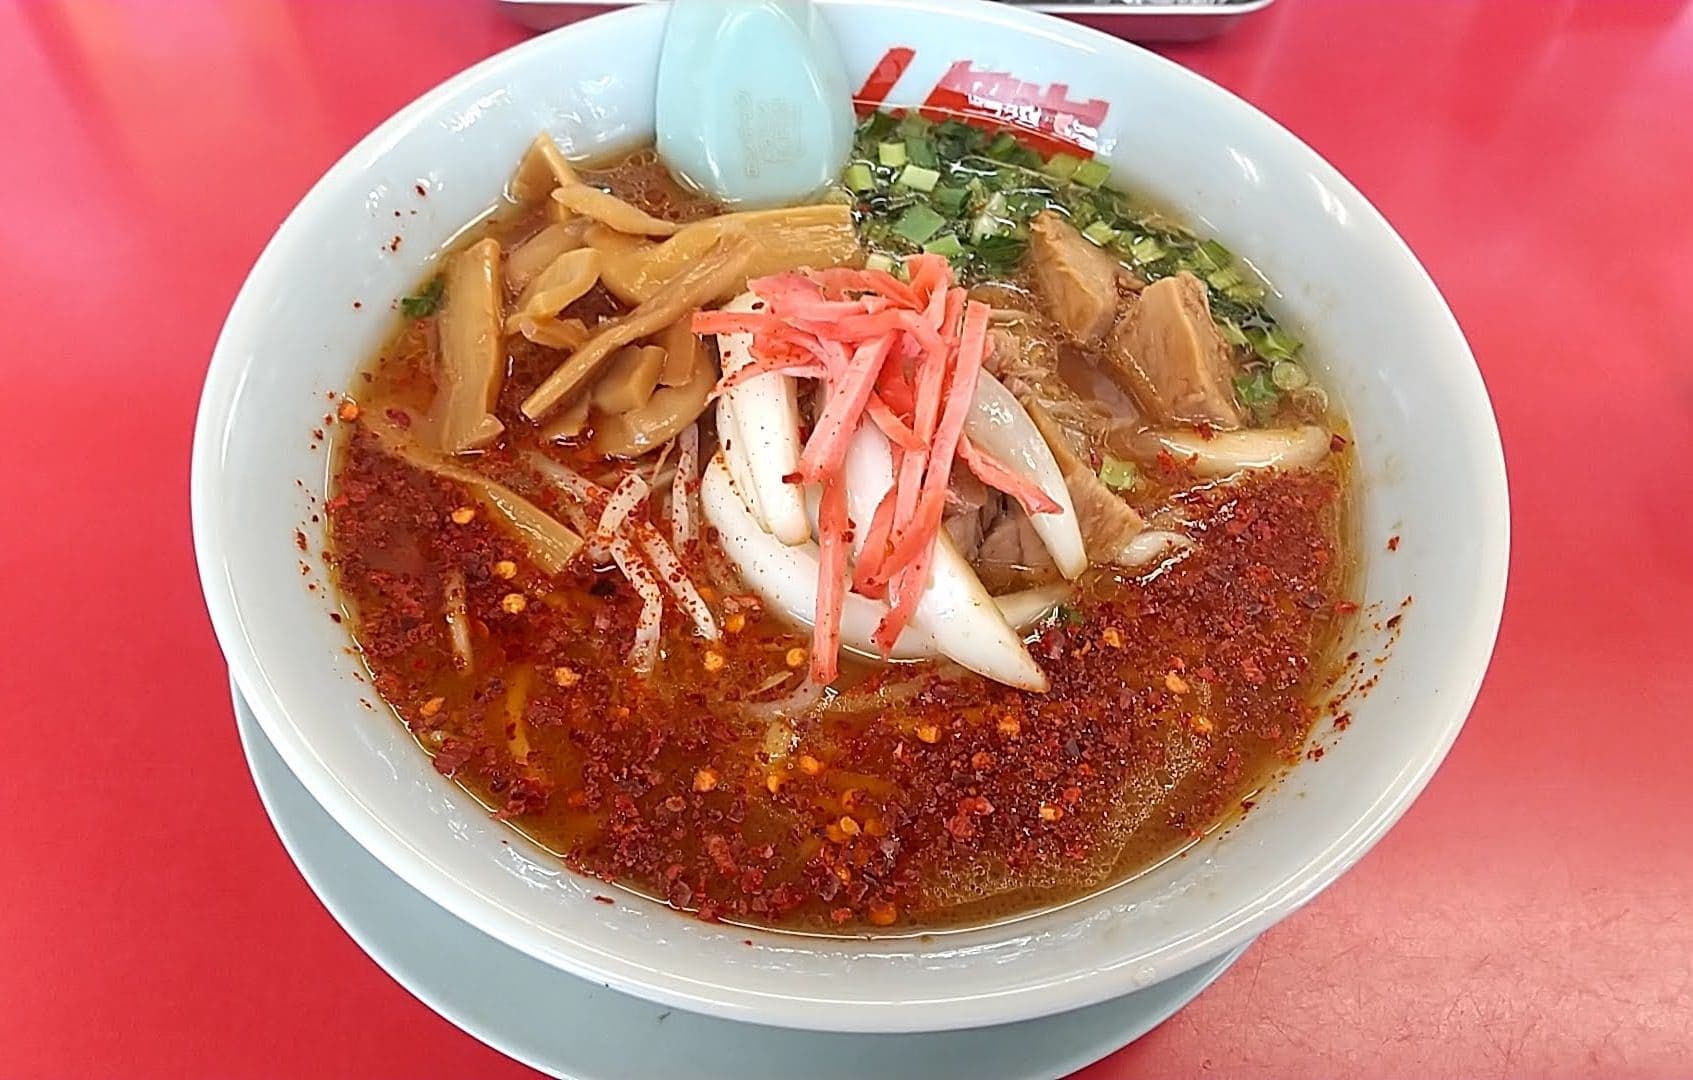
(1046, 114)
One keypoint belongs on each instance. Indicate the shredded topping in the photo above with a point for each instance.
(904, 356)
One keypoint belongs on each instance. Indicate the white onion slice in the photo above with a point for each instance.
(644, 653)
(954, 608)
(624, 499)
(766, 409)
(1228, 452)
(458, 620)
(573, 483)
(670, 572)
(786, 577)
(735, 455)
(1026, 607)
(682, 487)
(1151, 544)
(1001, 428)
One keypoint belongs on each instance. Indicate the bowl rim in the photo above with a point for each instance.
(1106, 980)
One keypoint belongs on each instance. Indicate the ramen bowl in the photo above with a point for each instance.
(1429, 468)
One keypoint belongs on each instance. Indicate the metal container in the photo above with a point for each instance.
(1136, 20)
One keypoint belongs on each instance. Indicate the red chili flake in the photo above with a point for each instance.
(1344, 607)
(299, 539)
(718, 848)
(1393, 543)
(1336, 444)
(1343, 721)
(604, 900)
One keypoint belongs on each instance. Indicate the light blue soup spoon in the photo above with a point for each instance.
(753, 103)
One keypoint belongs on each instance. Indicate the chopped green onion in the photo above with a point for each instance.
(425, 302)
(949, 199)
(1091, 173)
(1100, 233)
(1002, 146)
(1147, 249)
(1222, 279)
(1288, 375)
(920, 150)
(1272, 343)
(1117, 474)
(878, 261)
(891, 154)
(1062, 165)
(1067, 614)
(958, 139)
(876, 125)
(917, 178)
(946, 245)
(1232, 333)
(1213, 255)
(1000, 252)
(1246, 292)
(859, 177)
(1023, 205)
(918, 224)
(1256, 389)
(913, 123)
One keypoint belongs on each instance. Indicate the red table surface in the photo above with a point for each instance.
(1531, 916)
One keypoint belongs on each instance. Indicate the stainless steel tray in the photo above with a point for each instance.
(1136, 20)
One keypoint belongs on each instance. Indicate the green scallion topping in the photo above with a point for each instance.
(1002, 147)
(917, 178)
(891, 154)
(918, 224)
(1147, 249)
(1100, 233)
(920, 150)
(1062, 165)
(1288, 375)
(945, 245)
(1117, 474)
(859, 177)
(1256, 390)
(1272, 343)
(1000, 253)
(948, 199)
(1091, 173)
(425, 302)
(878, 261)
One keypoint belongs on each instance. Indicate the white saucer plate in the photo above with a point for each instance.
(569, 1027)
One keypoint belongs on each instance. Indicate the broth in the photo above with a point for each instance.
(910, 796)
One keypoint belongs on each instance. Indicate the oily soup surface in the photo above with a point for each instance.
(914, 795)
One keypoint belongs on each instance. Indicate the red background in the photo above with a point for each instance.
(1532, 915)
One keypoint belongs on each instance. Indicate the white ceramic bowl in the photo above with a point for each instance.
(1428, 449)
